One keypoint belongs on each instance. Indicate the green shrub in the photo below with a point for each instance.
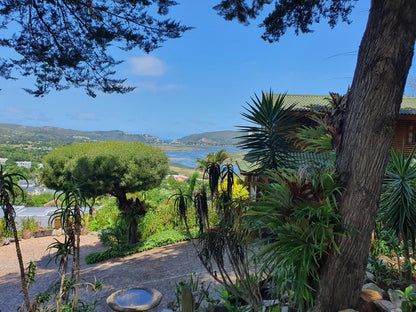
(41, 199)
(28, 223)
(106, 216)
(300, 228)
(385, 273)
(156, 240)
(156, 196)
(408, 298)
(160, 218)
(3, 232)
(162, 239)
(115, 235)
(164, 217)
(387, 244)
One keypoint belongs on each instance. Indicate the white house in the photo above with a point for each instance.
(24, 164)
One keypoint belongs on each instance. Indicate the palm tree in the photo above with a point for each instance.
(268, 137)
(7, 199)
(398, 202)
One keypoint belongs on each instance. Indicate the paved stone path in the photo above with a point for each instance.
(159, 268)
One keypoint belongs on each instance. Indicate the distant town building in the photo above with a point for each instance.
(178, 177)
(37, 190)
(26, 183)
(24, 164)
(30, 187)
(3, 161)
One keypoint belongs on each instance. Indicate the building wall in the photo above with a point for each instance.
(405, 134)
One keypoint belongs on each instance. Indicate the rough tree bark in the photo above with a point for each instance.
(25, 287)
(366, 121)
(131, 211)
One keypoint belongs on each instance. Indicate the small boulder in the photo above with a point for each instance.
(369, 277)
(386, 306)
(369, 295)
(394, 298)
(367, 299)
(373, 286)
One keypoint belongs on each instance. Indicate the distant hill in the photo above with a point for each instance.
(51, 136)
(220, 138)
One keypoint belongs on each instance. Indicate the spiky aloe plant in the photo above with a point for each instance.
(223, 243)
(220, 157)
(8, 188)
(70, 214)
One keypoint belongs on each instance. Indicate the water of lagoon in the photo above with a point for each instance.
(188, 158)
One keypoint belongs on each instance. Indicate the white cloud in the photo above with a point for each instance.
(14, 111)
(147, 66)
(89, 116)
(154, 87)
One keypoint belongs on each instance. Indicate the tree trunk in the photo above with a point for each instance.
(366, 123)
(25, 287)
(132, 233)
(77, 254)
(131, 211)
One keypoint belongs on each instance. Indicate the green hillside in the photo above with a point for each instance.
(220, 138)
(50, 136)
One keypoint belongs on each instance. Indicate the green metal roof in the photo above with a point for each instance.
(303, 102)
(298, 159)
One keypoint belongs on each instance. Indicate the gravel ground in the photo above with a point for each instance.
(159, 268)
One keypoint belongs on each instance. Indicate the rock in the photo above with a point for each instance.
(270, 303)
(369, 277)
(386, 306)
(367, 299)
(369, 295)
(394, 298)
(413, 287)
(373, 286)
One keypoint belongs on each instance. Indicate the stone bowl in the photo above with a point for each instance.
(134, 299)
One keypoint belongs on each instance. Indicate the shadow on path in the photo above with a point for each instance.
(160, 268)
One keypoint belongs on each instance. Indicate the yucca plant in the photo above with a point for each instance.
(398, 202)
(268, 138)
(8, 188)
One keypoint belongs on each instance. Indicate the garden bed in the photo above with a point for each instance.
(42, 233)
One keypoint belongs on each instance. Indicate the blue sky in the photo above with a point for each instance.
(201, 81)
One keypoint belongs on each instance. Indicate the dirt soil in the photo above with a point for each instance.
(159, 268)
